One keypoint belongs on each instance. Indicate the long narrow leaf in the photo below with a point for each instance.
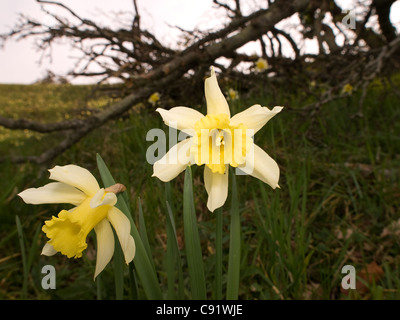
(192, 241)
(133, 282)
(32, 253)
(173, 259)
(143, 233)
(174, 264)
(118, 260)
(119, 268)
(232, 291)
(142, 260)
(23, 255)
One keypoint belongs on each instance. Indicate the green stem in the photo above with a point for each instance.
(192, 241)
(218, 255)
(232, 291)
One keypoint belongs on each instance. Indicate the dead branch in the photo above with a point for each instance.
(170, 68)
(359, 74)
(144, 65)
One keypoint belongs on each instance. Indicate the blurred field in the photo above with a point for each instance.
(338, 203)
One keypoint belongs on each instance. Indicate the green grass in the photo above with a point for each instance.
(339, 191)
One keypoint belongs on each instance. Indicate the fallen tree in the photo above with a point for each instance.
(144, 65)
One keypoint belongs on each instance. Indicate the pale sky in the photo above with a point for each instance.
(19, 60)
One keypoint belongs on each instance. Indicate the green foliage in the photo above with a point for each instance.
(338, 203)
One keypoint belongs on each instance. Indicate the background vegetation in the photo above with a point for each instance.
(338, 203)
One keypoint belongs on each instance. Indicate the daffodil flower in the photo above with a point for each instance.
(233, 94)
(217, 140)
(347, 88)
(261, 64)
(93, 209)
(154, 98)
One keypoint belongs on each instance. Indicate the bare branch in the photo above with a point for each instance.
(145, 65)
(162, 74)
(22, 124)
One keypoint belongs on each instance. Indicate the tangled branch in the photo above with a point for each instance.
(143, 65)
(152, 66)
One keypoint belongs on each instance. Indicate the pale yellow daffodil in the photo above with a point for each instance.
(261, 64)
(233, 94)
(154, 98)
(347, 88)
(217, 140)
(93, 209)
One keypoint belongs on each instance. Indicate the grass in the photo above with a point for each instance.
(338, 203)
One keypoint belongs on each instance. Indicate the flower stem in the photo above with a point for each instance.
(232, 291)
(192, 241)
(218, 255)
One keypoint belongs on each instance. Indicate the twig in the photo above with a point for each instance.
(163, 72)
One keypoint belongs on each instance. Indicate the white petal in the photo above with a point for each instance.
(48, 250)
(105, 245)
(77, 177)
(55, 192)
(216, 102)
(130, 250)
(122, 227)
(174, 161)
(254, 117)
(216, 185)
(181, 118)
(99, 199)
(261, 166)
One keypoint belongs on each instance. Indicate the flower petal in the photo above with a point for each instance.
(254, 117)
(105, 245)
(103, 198)
(48, 250)
(216, 185)
(55, 192)
(181, 118)
(66, 235)
(261, 166)
(122, 227)
(174, 161)
(216, 102)
(77, 177)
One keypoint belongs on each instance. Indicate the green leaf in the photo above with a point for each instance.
(34, 247)
(23, 255)
(119, 268)
(192, 241)
(232, 291)
(142, 261)
(174, 263)
(143, 233)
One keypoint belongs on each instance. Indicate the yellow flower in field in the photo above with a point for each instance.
(261, 64)
(94, 209)
(218, 140)
(233, 94)
(347, 88)
(154, 98)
